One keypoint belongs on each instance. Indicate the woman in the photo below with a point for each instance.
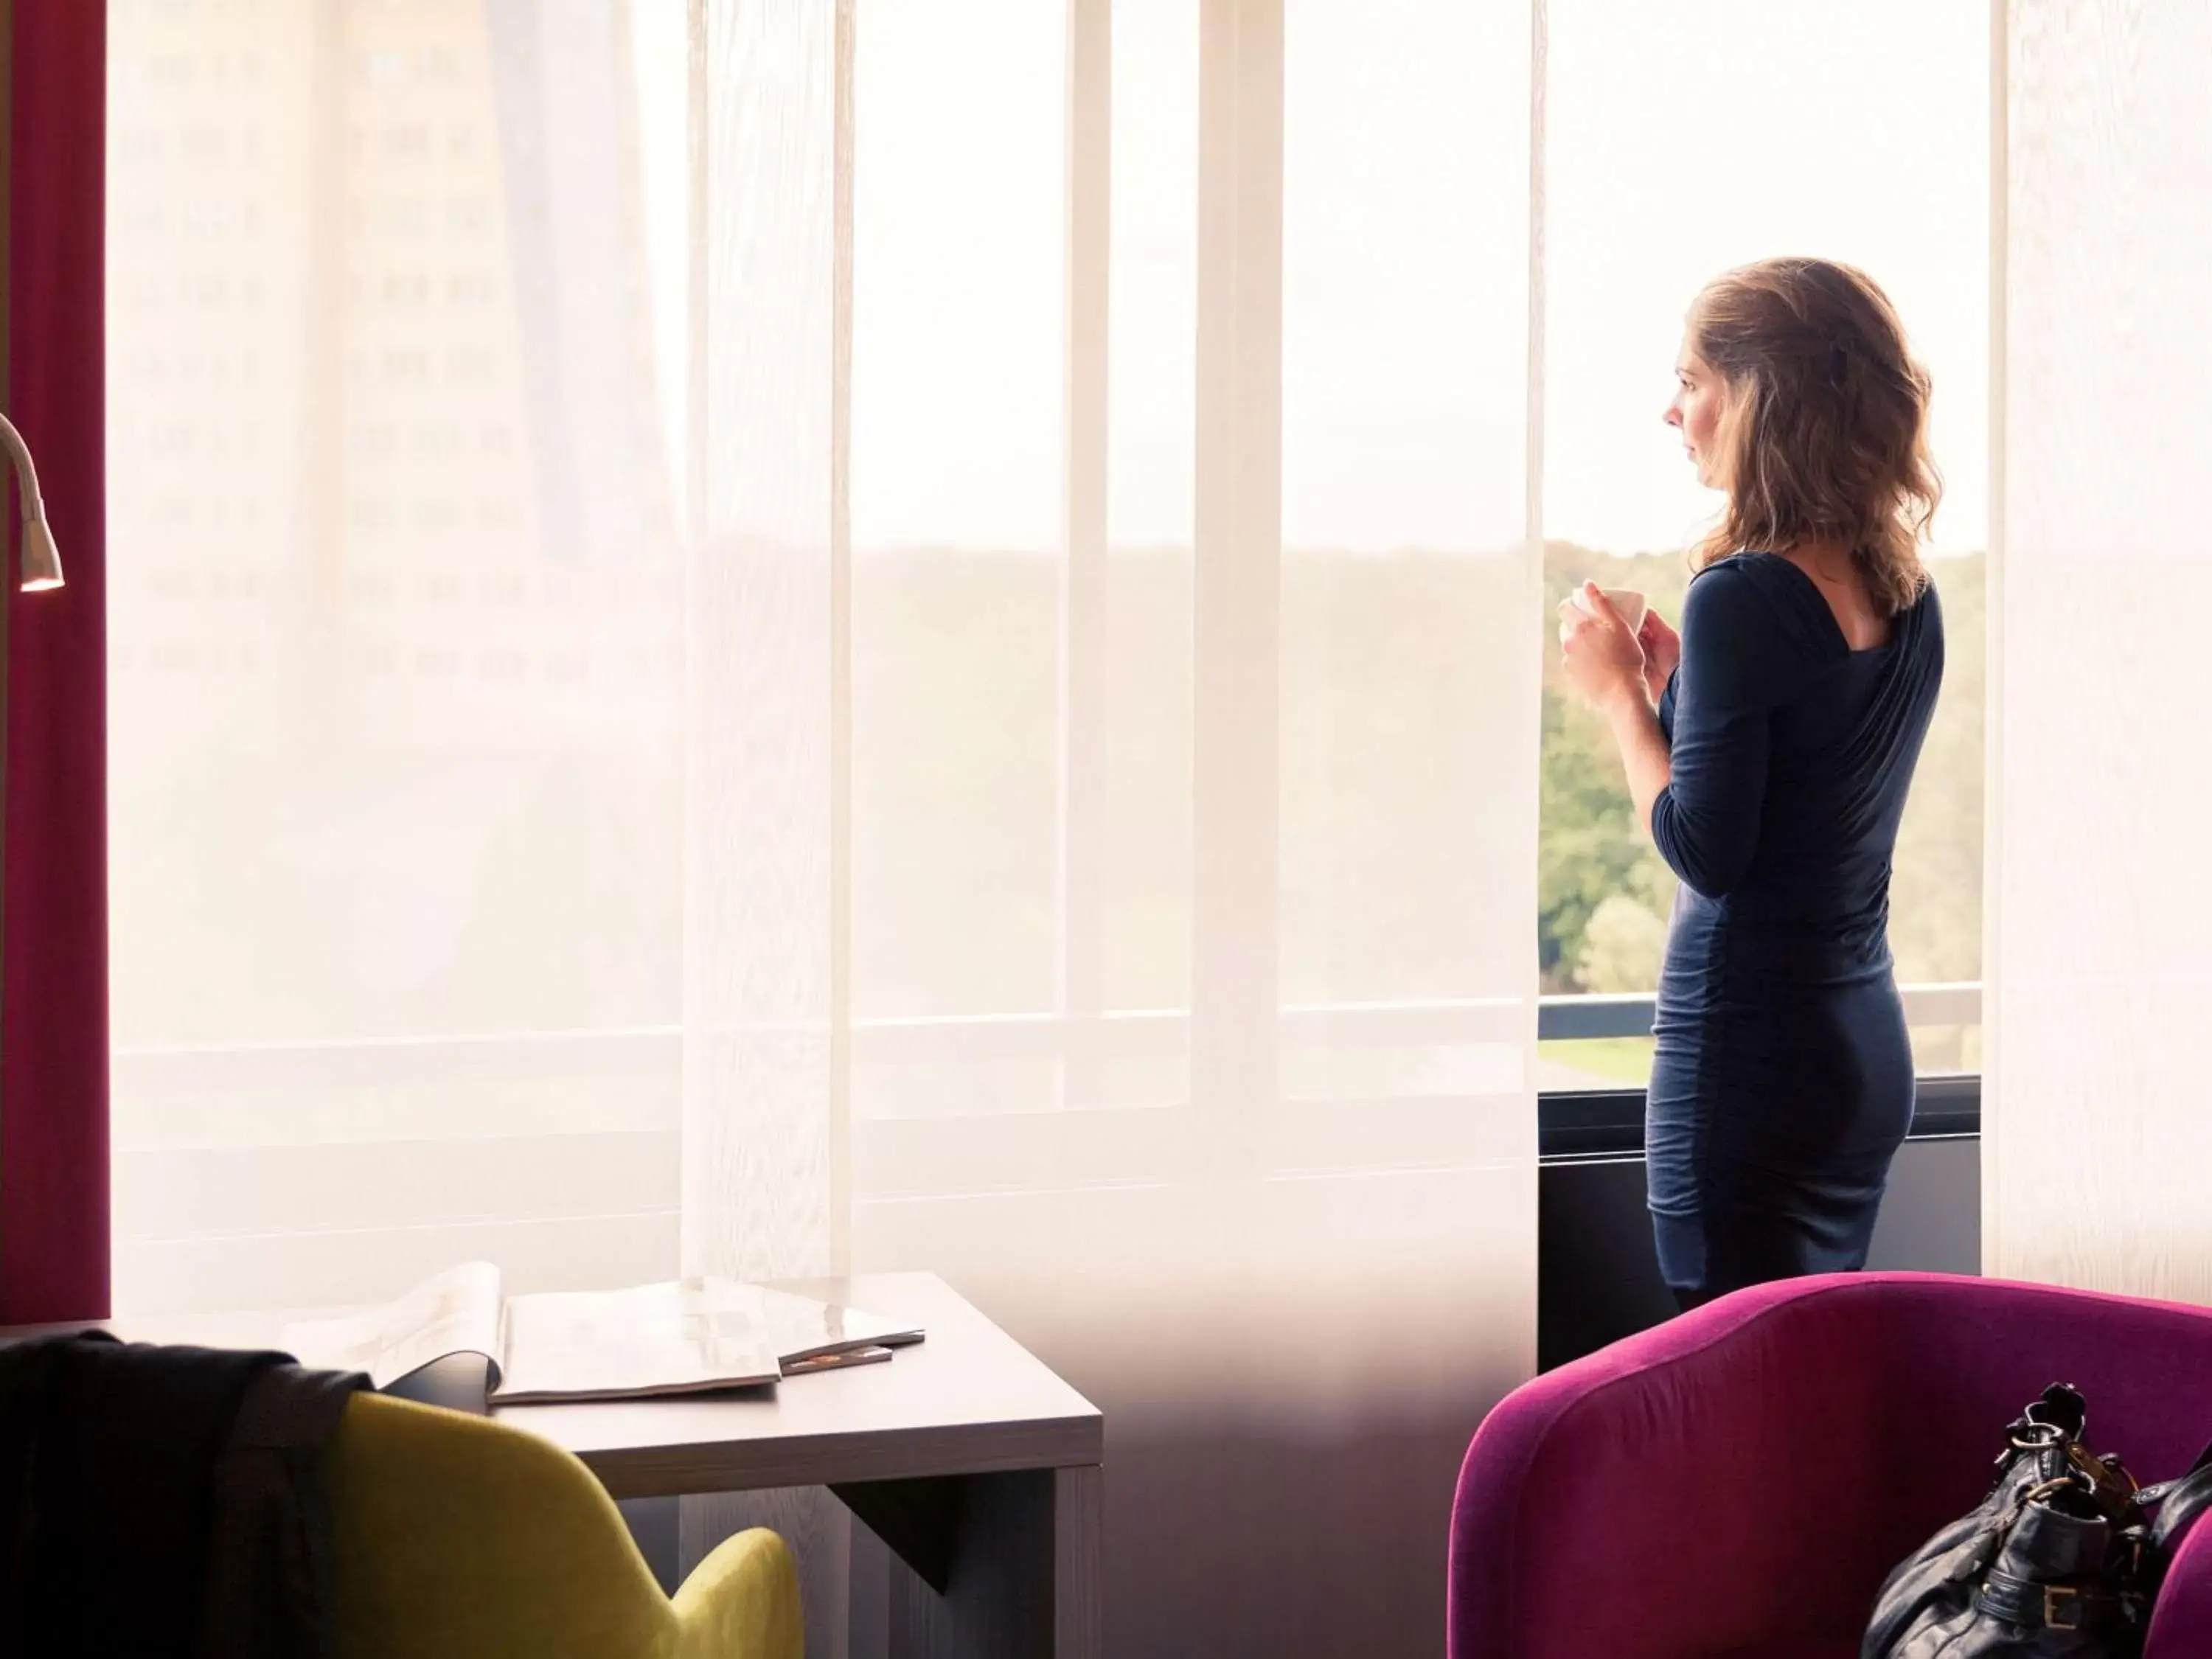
(1769, 747)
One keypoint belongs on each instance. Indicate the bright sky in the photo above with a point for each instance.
(1681, 138)
(1688, 137)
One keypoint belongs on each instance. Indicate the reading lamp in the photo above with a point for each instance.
(42, 560)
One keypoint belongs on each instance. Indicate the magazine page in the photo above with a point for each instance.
(456, 1312)
(686, 1337)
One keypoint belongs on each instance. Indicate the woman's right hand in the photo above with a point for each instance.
(1663, 650)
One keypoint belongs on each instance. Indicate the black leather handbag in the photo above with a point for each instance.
(2064, 1557)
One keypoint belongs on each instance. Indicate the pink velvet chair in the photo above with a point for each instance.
(1738, 1481)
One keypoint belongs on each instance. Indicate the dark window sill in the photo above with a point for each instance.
(1600, 1123)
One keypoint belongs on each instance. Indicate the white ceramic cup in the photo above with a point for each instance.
(1627, 601)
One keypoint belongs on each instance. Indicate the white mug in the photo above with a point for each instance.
(1627, 601)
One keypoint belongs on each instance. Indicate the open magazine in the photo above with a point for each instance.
(688, 1337)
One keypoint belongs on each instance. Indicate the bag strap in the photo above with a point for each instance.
(2152, 1494)
(2181, 1504)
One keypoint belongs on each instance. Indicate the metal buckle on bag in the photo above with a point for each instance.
(2056, 1596)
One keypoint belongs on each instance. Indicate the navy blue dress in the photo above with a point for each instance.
(1782, 1083)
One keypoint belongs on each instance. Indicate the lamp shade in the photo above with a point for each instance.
(42, 560)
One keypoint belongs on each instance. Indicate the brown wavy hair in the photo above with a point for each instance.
(1824, 426)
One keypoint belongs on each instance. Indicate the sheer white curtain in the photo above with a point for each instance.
(767, 737)
(767, 734)
(2099, 947)
(1196, 595)
(772, 637)
(395, 318)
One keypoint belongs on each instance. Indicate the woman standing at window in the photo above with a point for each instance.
(1769, 747)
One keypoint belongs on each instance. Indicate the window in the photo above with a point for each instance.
(960, 200)
(1196, 467)
(1069, 727)
(1661, 172)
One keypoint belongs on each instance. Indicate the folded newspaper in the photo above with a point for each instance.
(691, 1336)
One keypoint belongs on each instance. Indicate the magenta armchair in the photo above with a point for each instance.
(1738, 1481)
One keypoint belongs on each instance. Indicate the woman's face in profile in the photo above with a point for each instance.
(1696, 412)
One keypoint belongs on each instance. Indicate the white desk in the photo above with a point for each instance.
(976, 1463)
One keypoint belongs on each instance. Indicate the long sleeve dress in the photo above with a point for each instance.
(1782, 1082)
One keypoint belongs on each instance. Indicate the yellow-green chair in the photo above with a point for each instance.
(456, 1537)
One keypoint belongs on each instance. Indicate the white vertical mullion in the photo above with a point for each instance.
(1993, 578)
(1538, 72)
(1237, 597)
(1084, 579)
(693, 1228)
(696, 208)
(841, 650)
(1530, 587)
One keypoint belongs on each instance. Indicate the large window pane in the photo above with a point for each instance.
(1152, 385)
(959, 201)
(1405, 298)
(1659, 176)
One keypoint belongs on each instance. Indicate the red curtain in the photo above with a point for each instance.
(53, 954)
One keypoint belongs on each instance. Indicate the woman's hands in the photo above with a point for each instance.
(1621, 673)
(1604, 661)
(1662, 652)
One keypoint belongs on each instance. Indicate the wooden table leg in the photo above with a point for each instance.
(1017, 1556)
(1078, 1533)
